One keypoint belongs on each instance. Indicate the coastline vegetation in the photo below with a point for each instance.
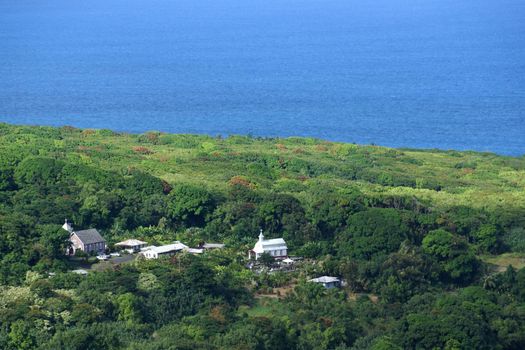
(431, 243)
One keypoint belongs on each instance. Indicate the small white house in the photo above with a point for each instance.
(327, 281)
(275, 247)
(154, 252)
(131, 245)
(287, 262)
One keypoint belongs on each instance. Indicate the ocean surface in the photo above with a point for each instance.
(446, 74)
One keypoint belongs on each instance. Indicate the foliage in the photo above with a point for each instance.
(403, 228)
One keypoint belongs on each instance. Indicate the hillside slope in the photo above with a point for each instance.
(423, 236)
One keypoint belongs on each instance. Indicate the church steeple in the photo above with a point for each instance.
(67, 226)
(261, 236)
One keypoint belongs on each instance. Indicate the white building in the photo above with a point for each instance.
(327, 281)
(131, 245)
(275, 247)
(154, 252)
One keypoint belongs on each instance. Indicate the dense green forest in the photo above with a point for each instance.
(431, 243)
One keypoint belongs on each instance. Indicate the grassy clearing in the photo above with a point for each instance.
(443, 178)
(264, 307)
(501, 262)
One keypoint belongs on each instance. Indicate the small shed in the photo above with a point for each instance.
(327, 281)
(288, 261)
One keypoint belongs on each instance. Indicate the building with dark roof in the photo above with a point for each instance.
(87, 241)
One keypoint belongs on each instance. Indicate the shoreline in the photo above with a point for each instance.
(275, 137)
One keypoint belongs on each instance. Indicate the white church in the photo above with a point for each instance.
(275, 247)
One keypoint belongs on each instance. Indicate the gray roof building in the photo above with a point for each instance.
(89, 236)
(88, 240)
(327, 281)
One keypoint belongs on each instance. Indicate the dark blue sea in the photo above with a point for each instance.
(446, 74)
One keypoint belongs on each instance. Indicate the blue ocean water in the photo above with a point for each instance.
(443, 74)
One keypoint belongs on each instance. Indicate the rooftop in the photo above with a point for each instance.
(89, 236)
(169, 248)
(130, 243)
(324, 279)
(195, 250)
(274, 241)
(212, 245)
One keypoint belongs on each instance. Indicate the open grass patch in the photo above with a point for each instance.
(502, 261)
(264, 307)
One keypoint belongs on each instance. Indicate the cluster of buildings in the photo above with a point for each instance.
(278, 249)
(90, 241)
(155, 252)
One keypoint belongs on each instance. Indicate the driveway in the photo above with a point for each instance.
(122, 259)
(112, 262)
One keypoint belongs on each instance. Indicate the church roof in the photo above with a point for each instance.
(264, 245)
(272, 242)
(89, 236)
